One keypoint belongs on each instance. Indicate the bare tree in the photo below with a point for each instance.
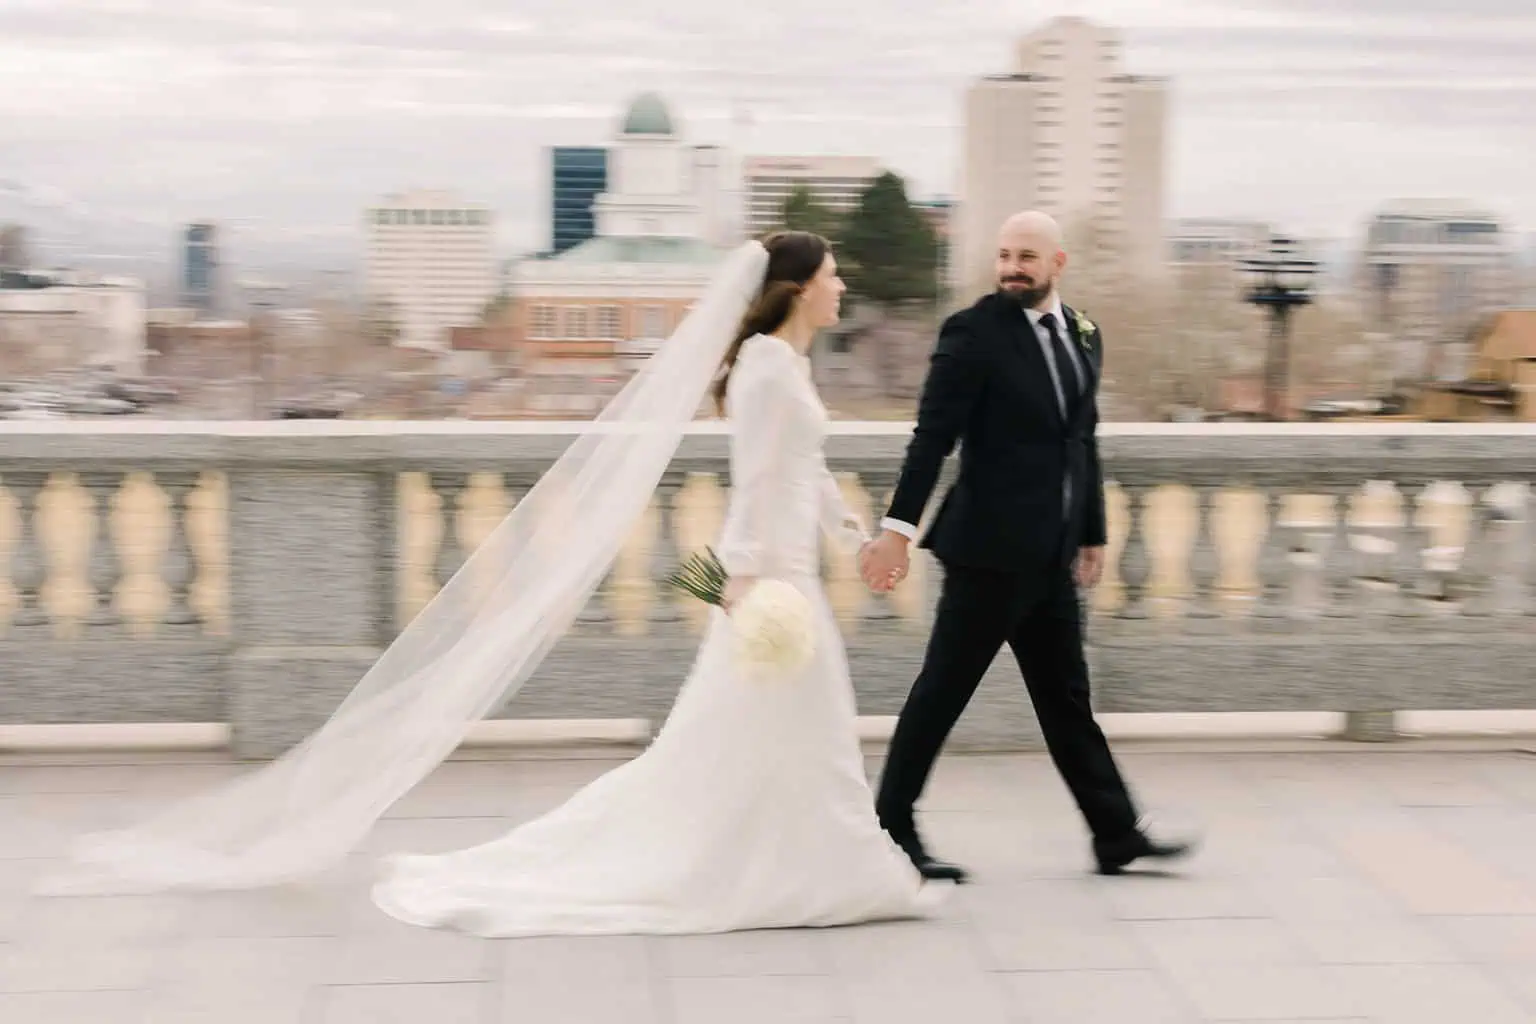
(1331, 350)
(1171, 340)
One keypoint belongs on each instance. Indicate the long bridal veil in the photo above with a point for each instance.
(473, 646)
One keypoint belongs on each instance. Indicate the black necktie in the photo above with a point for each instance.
(1066, 366)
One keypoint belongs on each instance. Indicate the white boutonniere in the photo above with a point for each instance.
(1085, 329)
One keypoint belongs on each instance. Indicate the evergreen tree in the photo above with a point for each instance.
(889, 253)
(804, 212)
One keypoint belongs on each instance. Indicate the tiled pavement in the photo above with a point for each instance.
(1394, 886)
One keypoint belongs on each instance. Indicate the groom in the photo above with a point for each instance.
(1013, 380)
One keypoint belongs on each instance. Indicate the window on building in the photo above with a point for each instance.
(541, 323)
(438, 216)
(418, 216)
(653, 322)
(455, 217)
(574, 324)
(610, 323)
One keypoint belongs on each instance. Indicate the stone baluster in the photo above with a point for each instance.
(1276, 574)
(598, 611)
(1408, 558)
(29, 559)
(1204, 562)
(1339, 560)
(180, 567)
(449, 488)
(876, 608)
(493, 582)
(1135, 561)
(105, 567)
(664, 608)
(1479, 558)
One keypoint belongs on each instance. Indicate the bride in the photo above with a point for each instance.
(749, 810)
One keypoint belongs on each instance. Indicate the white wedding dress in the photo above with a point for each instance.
(751, 809)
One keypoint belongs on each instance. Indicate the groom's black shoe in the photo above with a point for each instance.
(927, 865)
(1116, 855)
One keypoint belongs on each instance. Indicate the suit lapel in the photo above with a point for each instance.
(1024, 349)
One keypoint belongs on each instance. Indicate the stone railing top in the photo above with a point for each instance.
(1134, 452)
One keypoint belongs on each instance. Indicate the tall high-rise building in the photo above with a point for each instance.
(431, 264)
(578, 175)
(1067, 131)
(200, 277)
(837, 183)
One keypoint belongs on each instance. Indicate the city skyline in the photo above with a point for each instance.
(282, 127)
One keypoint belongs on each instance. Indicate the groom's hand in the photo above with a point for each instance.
(884, 561)
(1090, 566)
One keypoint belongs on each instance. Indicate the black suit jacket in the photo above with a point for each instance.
(989, 390)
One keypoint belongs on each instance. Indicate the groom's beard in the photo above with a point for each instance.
(1024, 291)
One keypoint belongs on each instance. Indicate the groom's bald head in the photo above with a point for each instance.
(1029, 257)
(1033, 228)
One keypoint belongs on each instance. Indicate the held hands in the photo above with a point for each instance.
(885, 561)
(1089, 567)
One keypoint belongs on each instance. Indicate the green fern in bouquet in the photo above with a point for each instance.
(703, 577)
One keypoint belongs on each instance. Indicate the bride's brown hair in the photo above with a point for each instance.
(794, 257)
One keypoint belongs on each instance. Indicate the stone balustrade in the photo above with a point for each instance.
(248, 574)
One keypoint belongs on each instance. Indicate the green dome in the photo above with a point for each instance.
(648, 116)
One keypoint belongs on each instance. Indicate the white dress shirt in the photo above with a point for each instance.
(1043, 339)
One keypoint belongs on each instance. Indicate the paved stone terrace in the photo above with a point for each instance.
(1339, 884)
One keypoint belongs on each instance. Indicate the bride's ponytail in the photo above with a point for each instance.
(794, 257)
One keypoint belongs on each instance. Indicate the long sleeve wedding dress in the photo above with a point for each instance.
(751, 808)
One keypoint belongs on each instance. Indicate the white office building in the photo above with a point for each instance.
(72, 320)
(836, 182)
(431, 262)
(1432, 270)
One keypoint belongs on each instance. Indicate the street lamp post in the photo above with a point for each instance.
(1281, 279)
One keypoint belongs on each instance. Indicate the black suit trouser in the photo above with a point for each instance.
(1038, 615)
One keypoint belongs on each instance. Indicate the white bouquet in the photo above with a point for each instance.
(775, 629)
(774, 623)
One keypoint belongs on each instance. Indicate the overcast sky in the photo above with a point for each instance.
(287, 117)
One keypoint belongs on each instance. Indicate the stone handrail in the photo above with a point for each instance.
(248, 573)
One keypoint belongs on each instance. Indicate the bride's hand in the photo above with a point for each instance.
(735, 589)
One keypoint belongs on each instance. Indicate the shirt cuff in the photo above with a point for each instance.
(907, 530)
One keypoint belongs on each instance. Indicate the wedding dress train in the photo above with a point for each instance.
(751, 808)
